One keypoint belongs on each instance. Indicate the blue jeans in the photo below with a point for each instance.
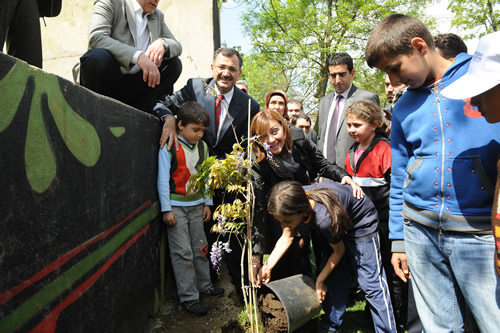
(447, 270)
(362, 256)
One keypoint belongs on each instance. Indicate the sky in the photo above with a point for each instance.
(232, 35)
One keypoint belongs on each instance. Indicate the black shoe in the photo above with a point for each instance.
(213, 292)
(195, 308)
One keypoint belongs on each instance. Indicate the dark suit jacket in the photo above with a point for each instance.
(196, 90)
(344, 141)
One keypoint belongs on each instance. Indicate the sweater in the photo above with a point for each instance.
(443, 161)
(175, 169)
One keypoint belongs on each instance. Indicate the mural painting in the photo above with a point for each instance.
(80, 231)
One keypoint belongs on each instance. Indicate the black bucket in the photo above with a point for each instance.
(297, 294)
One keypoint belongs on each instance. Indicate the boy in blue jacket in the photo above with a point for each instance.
(442, 184)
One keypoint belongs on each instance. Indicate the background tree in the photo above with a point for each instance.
(477, 17)
(292, 40)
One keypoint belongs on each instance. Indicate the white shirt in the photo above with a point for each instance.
(224, 107)
(142, 33)
(330, 115)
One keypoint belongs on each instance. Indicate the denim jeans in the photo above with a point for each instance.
(447, 270)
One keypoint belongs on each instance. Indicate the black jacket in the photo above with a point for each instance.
(266, 230)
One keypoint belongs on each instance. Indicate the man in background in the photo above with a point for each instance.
(303, 122)
(333, 139)
(393, 92)
(243, 85)
(294, 108)
(20, 27)
(449, 45)
(133, 56)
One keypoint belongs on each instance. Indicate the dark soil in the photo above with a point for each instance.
(273, 314)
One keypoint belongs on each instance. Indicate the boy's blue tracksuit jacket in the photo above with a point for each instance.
(444, 155)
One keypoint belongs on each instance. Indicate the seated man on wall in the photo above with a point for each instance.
(133, 56)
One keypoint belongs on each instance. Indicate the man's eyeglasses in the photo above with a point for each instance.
(222, 68)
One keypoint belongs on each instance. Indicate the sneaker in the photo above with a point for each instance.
(194, 307)
(213, 292)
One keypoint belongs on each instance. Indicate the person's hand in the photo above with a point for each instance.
(357, 191)
(169, 218)
(401, 266)
(150, 72)
(256, 266)
(155, 52)
(264, 274)
(169, 133)
(207, 213)
(320, 290)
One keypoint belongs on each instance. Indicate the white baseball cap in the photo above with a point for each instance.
(483, 73)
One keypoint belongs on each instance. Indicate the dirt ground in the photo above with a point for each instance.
(222, 317)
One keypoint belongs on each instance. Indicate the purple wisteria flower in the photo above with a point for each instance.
(221, 224)
(269, 155)
(218, 248)
(240, 163)
(253, 138)
(226, 247)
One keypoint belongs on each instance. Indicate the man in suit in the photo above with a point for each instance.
(303, 122)
(226, 70)
(133, 56)
(216, 93)
(333, 139)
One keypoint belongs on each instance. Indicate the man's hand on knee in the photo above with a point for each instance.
(150, 72)
(155, 52)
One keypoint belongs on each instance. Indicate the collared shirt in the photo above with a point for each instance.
(340, 117)
(224, 107)
(142, 33)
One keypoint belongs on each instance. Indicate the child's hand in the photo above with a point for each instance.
(401, 266)
(207, 213)
(169, 218)
(320, 290)
(264, 275)
(357, 191)
(256, 266)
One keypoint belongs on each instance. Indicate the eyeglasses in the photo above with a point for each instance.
(221, 68)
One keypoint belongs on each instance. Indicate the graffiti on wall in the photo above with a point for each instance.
(79, 213)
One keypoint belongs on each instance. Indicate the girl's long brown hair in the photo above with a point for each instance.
(289, 198)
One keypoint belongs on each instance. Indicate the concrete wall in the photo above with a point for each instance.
(65, 37)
